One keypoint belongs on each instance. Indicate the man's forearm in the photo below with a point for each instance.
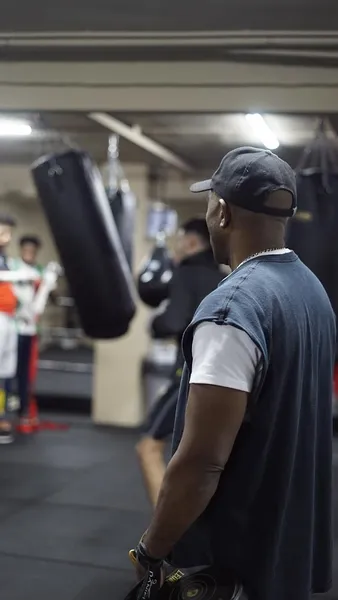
(186, 492)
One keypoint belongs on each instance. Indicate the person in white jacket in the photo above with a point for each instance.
(8, 331)
(32, 299)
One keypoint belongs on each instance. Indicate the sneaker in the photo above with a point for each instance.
(6, 436)
(35, 425)
(24, 426)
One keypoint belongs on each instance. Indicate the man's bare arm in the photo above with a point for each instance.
(213, 418)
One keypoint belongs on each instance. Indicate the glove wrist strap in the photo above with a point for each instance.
(145, 559)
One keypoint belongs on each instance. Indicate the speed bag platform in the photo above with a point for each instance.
(185, 584)
(77, 209)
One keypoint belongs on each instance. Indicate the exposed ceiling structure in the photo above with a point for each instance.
(199, 140)
(151, 15)
(313, 48)
(203, 139)
(282, 31)
(300, 33)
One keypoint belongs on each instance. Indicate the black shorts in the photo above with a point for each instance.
(161, 420)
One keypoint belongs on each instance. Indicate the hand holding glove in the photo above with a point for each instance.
(150, 572)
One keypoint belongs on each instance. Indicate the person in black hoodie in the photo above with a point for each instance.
(195, 276)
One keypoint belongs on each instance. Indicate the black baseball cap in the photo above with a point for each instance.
(247, 176)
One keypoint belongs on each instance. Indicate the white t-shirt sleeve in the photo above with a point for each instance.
(225, 356)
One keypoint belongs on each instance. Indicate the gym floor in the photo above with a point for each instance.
(71, 506)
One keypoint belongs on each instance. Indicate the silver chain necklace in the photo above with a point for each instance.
(261, 253)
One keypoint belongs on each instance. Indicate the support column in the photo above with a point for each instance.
(116, 393)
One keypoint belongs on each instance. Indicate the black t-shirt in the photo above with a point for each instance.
(270, 518)
(192, 280)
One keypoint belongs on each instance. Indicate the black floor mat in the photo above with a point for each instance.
(10, 507)
(71, 505)
(95, 537)
(106, 488)
(32, 482)
(68, 514)
(113, 585)
(25, 579)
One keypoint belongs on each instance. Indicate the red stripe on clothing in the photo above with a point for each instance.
(33, 366)
(8, 301)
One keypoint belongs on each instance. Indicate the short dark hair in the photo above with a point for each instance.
(30, 239)
(198, 226)
(6, 219)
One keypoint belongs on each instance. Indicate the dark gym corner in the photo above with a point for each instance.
(135, 101)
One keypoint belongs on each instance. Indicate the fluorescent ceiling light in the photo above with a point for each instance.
(14, 128)
(263, 131)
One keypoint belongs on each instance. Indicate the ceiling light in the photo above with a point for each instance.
(263, 131)
(14, 128)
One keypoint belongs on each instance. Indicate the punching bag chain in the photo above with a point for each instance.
(116, 177)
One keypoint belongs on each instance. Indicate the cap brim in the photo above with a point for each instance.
(201, 186)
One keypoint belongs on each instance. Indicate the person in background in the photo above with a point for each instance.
(195, 276)
(8, 334)
(27, 315)
(8, 331)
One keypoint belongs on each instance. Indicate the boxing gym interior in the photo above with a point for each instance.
(108, 114)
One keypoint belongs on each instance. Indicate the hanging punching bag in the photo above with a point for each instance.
(305, 232)
(313, 231)
(156, 274)
(77, 209)
(121, 199)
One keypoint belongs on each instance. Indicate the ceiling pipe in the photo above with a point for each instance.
(135, 136)
(235, 39)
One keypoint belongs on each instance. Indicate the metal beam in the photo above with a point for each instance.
(130, 74)
(276, 99)
(226, 39)
(135, 136)
(167, 87)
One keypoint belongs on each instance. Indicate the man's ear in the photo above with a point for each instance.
(224, 214)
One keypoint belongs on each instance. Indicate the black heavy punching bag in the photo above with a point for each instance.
(155, 277)
(121, 199)
(77, 209)
(313, 232)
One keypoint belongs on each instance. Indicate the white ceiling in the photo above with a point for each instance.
(199, 139)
